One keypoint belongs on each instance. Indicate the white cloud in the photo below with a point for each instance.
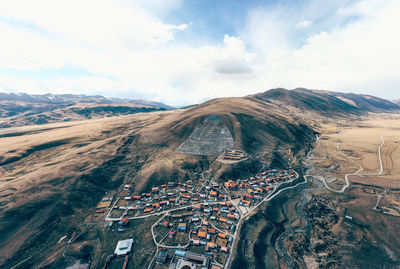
(303, 24)
(128, 49)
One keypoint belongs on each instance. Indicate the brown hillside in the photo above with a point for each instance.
(52, 175)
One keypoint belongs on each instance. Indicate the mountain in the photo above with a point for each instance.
(327, 103)
(397, 101)
(25, 109)
(52, 176)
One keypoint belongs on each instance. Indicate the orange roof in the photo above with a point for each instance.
(202, 234)
(223, 220)
(197, 206)
(205, 223)
(212, 231)
(147, 210)
(221, 235)
(213, 193)
(211, 244)
(231, 216)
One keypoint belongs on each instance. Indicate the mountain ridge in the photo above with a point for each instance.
(328, 102)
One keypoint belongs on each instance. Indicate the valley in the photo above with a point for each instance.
(248, 182)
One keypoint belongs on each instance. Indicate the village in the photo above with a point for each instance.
(197, 220)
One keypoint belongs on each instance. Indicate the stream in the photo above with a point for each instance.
(307, 189)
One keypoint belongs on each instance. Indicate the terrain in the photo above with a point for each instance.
(53, 175)
(24, 109)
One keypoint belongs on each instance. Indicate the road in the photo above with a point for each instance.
(346, 177)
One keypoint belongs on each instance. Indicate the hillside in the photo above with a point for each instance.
(63, 169)
(326, 102)
(53, 175)
(24, 109)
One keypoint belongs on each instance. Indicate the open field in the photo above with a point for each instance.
(359, 224)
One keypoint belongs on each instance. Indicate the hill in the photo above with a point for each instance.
(53, 175)
(24, 109)
(328, 103)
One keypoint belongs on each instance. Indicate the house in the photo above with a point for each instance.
(222, 235)
(212, 231)
(231, 216)
(180, 253)
(161, 257)
(182, 227)
(147, 210)
(124, 221)
(166, 223)
(197, 207)
(202, 234)
(223, 220)
(123, 247)
(211, 245)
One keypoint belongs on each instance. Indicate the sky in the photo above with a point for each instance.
(184, 52)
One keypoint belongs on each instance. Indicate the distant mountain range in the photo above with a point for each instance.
(17, 109)
(76, 98)
(326, 102)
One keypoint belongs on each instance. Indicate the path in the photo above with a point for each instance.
(346, 177)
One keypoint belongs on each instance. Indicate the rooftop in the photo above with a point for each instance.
(123, 247)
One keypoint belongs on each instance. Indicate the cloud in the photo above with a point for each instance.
(127, 49)
(303, 24)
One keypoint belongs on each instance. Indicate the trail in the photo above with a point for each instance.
(346, 177)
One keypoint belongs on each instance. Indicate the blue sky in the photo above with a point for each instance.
(182, 52)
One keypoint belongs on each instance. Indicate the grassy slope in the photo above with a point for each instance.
(60, 171)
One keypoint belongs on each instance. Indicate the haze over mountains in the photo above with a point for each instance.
(26, 109)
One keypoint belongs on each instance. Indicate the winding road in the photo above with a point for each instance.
(346, 177)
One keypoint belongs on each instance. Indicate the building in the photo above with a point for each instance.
(123, 247)
(184, 264)
(182, 227)
(124, 221)
(189, 260)
(161, 257)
